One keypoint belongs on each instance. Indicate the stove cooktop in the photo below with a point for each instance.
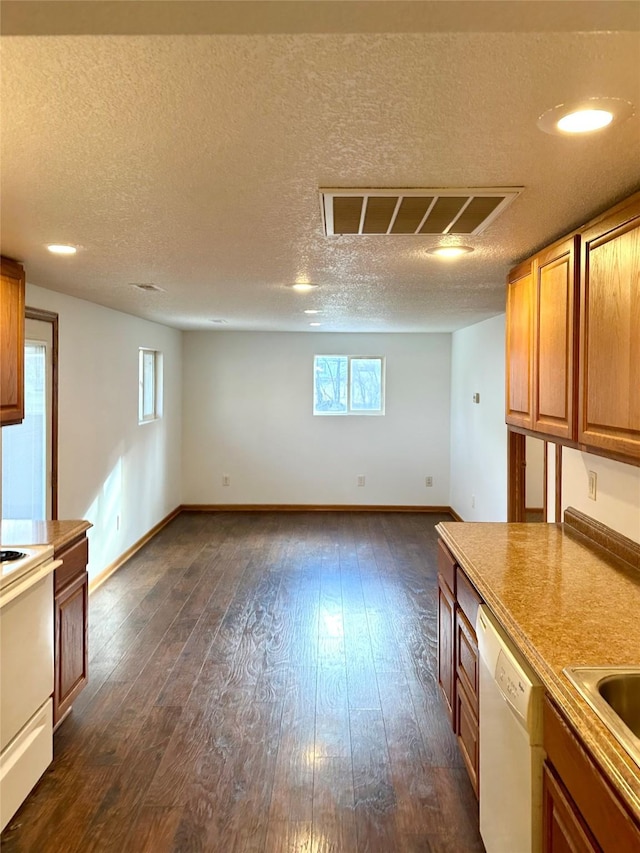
(10, 556)
(29, 557)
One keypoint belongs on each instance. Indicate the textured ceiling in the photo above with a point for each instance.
(194, 161)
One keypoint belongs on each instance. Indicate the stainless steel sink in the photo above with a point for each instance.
(614, 694)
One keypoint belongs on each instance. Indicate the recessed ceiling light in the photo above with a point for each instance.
(584, 116)
(315, 324)
(311, 311)
(450, 252)
(303, 287)
(61, 249)
(584, 121)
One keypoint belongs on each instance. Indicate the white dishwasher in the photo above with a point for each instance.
(511, 753)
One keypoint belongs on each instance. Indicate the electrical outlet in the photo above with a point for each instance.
(360, 479)
(226, 480)
(428, 481)
(476, 398)
(593, 485)
(473, 501)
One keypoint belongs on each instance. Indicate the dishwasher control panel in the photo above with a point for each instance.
(512, 685)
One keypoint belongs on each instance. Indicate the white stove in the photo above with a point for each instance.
(26, 671)
(16, 561)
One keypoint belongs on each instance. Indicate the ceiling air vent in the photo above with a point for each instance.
(148, 287)
(426, 211)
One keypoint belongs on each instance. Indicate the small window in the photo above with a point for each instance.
(348, 385)
(148, 388)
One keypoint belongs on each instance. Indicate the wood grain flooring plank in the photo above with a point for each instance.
(441, 748)
(124, 726)
(68, 815)
(244, 785)
(292, 790)
(332, 712)
(188, 742)
(153, 830)
(109, 828)
(458, 828)
(334, 823)
(374, 793)
(186, 672)
(413, 781)
(285, 836)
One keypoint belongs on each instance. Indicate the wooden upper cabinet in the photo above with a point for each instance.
(555, 327)
(11, 342)
(519, 385)
(609, 401)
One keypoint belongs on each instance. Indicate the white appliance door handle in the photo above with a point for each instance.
(28, 581)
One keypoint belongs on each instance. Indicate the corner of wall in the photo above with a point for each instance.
(478, 430)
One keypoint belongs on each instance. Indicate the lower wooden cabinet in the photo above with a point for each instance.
(458, 604)
(71, 607)
(581, 811)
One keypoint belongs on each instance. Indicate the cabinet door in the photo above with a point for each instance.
(519, 346)
(563, 829)
(467, 732)
(555, 339)
(11, 342)
(587, 790)
(467, 658)
(609, 404)
(71, 652)
(446, 658)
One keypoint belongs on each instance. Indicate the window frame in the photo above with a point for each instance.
(349, 410)
(156, 389)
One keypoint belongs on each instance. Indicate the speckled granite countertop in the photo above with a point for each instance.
(563, 603)
(56, 533)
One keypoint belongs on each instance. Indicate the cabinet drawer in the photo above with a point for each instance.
(563, 826)
(468, 598)
(447, 566)
(74, 562)
(608, 820)
(467, 732)
(467, 658)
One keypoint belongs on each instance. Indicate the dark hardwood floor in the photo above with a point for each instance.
(261, 682)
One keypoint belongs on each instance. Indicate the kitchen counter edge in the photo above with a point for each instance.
(56, 533)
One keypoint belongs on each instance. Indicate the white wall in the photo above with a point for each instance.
(478, 430)
(534, 473)
(248, 413)
(617, 501)
(551, 482)
(109, 466)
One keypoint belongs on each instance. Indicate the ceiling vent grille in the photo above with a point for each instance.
(425, 211)
(147, 287)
